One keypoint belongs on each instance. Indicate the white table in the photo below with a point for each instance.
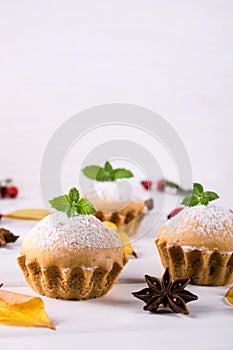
(118, 318)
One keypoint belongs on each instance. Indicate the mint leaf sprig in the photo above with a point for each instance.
(72, 204)
(199, 196)
(106, 173)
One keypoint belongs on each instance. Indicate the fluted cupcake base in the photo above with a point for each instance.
(75, 283)
(203, 267)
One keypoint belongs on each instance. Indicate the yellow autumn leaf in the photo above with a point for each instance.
(22, 310)
(27, 214)
(229, 296)
(124, 237)
(111, 225)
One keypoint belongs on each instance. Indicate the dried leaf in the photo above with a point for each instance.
(8, 236)
(27, 214)
(124, 237)
(2, 241)
(23, 310)
(229, 296)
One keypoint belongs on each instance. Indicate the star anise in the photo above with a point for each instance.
(166, 292)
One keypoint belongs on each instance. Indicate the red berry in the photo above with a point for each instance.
(12, 191)
(146, 184)
(174, 212)
(160, 185)
(3, 191)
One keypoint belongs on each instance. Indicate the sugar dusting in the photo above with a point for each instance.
(202, 220)
(58, 230)
(122, 190)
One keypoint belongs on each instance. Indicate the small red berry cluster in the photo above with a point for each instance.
(7, 190)
(159, 185)
(163, 184)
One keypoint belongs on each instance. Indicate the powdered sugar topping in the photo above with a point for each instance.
(86, 230)
(204, 220)
(122, 190)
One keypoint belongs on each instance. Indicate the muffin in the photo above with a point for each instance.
(71, 257)
(121, 202)
(198, 243)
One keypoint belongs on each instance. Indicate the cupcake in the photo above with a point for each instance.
(198, 243)
(72, 256)
(116, 197)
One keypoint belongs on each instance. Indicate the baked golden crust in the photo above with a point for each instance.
(198, 243)
(71, 265)
(209, 268)
(76, 283)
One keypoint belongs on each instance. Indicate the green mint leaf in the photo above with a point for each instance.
(103, 175)
(199, 197)
(190, 201)
(204, 201)
(84, 207)
(211, 196)
(74, 195)
(67, 198)
(121, 174)
(70, 211)
(72, 204)
(197, 189)
(108, 167)
(91, 171)
(106, 173)
(59, 203)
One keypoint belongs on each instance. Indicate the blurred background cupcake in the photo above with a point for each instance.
(116, 196)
